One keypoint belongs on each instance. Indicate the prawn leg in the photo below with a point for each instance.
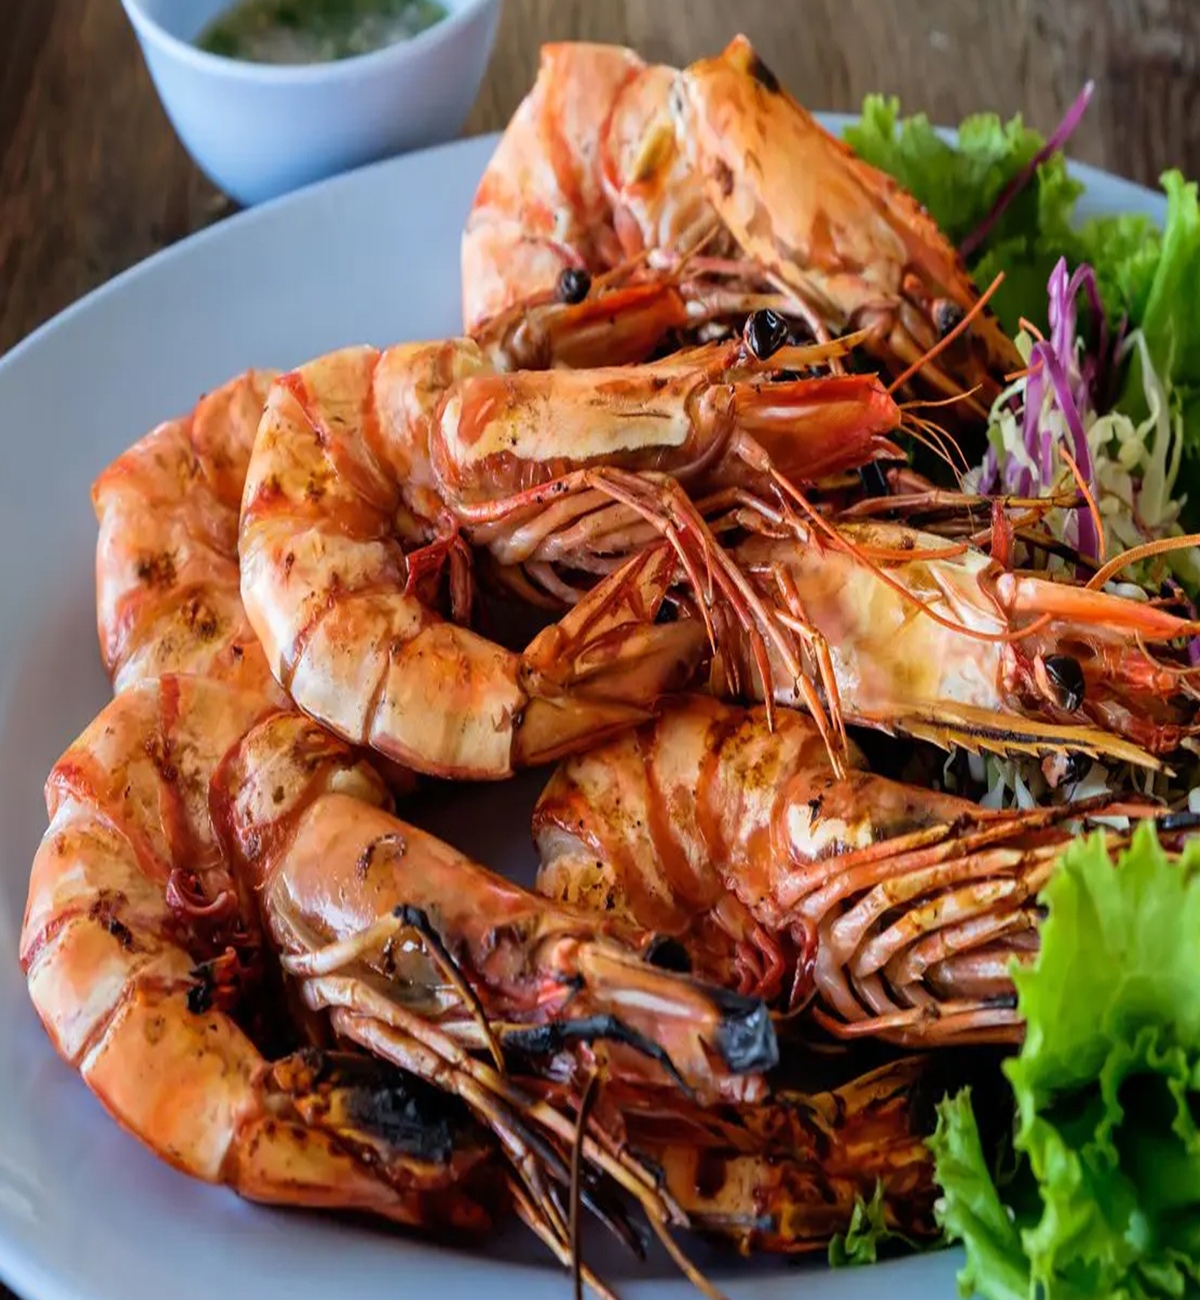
(876, 909)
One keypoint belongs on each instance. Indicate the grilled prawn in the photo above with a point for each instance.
(372, 471)
(896, 911)
(187, 810)
(143, 957)
(610, 160)
(389, 926)
(942, 643)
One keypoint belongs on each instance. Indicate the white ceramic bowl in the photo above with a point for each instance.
(258, 130)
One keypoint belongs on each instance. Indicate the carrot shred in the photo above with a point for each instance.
(1093, 508)
(1024, 373)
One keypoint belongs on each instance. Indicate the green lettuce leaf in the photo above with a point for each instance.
(1110, 1069)
(1124, 252)
(1106, 1201)
(1164, 300)
(868, 1231)
(1171, 317)
(971, 1209)
(1143, 274)
(959, 185)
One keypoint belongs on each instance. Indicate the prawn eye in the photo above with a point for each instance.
(574, 285)
(873, 479)
(669, 954)
(1066, 677)
(946, 315)
(766, 332)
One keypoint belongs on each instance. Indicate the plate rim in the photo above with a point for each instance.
(221, 229)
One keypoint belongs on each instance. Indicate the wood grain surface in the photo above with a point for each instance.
(92, 178)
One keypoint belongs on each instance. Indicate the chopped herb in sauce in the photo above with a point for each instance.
(315, 31)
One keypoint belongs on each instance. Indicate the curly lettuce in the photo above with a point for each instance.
(1169, 319)
(1106, 1197)
(959, 185)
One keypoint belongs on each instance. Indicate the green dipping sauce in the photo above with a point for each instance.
(315, 31)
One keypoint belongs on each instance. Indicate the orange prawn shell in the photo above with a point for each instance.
(166, 559)
(113, 966)
(587, 174)
(542, 194)
(736, 117)
(802, 203)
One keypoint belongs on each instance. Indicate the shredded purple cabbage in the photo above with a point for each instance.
(1176, 593)
(1089, 542)
(1095, 364)
(1058, 138)
(1073, 381)
(1078, 384)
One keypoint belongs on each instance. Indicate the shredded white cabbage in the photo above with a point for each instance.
(1005, 783)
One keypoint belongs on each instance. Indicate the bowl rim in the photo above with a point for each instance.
(441, 32)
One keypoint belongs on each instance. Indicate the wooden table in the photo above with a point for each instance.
(92, 178)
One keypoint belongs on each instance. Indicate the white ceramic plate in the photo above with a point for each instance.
(85, 1212)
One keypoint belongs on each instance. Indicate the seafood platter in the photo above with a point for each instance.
(840, 489)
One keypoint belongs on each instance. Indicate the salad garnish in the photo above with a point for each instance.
(1104, 1199)
(1100, 1192)
(1145, 278)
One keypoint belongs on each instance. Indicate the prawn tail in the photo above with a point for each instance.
(358, 1134)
